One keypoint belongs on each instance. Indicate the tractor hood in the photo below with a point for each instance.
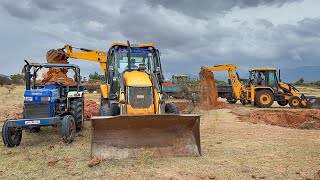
(137, 79)
(35, 95)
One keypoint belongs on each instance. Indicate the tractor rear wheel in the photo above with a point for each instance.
(171, 108)
(283, 103)
(294, 102)
(11, 136)
(68, 128)
(76, 109)
(264, 98)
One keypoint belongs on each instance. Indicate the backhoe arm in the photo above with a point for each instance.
(90, 55)
(237, 86)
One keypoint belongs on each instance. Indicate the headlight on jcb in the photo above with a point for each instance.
(28, 98)
(45, 98)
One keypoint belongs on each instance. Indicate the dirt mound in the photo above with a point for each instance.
(91, 108)
(306, 119)
(209, 92)
(52, 76)
(168, 83)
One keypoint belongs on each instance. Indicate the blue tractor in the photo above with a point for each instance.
(48, 105)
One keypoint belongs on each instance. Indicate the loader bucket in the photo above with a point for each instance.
(120, 137)
(314, 103)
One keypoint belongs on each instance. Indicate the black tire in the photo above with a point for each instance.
(283, 103)
(76, 109)
(105, 109)
(232, 101)
(264, 98)
(115, 109)
(294, 102)
(35, 129)
(68, 128)
(171, 108)
(243, 102)
(109, 109)
(11, 137)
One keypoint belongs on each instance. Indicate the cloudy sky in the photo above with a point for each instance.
(189, 33)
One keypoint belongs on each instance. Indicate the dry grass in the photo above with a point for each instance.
(230, 150)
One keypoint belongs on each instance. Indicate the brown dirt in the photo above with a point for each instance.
(52, 76)
(167, 83)
(306, 119)
(91, 108)
(209, 91)
(94, 161)
(186, 107)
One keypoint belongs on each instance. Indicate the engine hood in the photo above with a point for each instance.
(137, 78)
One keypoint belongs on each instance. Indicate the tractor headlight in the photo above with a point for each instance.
(28, 98)
(45, 98)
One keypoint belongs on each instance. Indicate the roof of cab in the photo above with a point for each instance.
(132, 45)
(263, 69)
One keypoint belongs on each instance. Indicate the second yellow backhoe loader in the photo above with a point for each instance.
(264, 87)
(134, 115)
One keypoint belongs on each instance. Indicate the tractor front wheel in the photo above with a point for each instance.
(11, 136)
(294, 102)
(68, 128)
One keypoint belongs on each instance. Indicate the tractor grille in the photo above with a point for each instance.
(140, 97)
(37, 110)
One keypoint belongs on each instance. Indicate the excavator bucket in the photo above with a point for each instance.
(312, 102)
(57, 56)
(120, 137)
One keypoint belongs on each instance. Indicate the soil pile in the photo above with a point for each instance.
(91, 108)
(168, 83)
(307, 119)
(52, 76)
(209, 92)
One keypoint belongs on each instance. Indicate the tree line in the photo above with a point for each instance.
(17, 79)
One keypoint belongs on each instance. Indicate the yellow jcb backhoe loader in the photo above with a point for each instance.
(239, 91)
(264, 87)
(134, 116)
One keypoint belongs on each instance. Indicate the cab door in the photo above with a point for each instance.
(272, 80)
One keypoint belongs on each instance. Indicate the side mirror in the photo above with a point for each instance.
(111, 68)
(158, 70)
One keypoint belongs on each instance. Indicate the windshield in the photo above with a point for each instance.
(138, 56)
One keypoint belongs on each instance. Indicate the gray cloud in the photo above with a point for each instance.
(188, 33)
(206, 8)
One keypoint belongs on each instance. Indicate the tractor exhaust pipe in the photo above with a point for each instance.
(28, 75)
